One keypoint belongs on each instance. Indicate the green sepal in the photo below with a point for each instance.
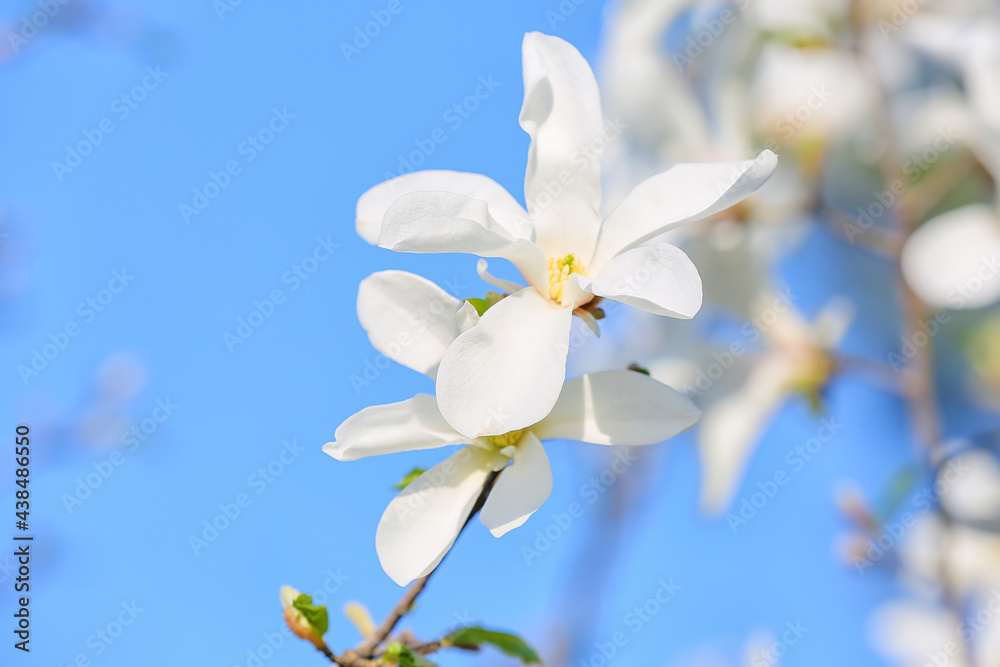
(315, 616)
(408, 479)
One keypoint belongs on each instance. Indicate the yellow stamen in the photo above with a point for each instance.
(812, 374)
(559, 273)
(505, 440)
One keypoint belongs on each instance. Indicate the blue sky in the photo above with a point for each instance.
(264, 100)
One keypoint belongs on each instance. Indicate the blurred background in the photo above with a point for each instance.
(178, 273)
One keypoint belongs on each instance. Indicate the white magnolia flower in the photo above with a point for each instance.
(646, 86)
(421, 523)
(911, 631)
(798, 359)
(683, 102)
(953, 260)
(916, 630)
(974, 493)
(801, 17)
(969, 490)
(513, 363)
(809, 97)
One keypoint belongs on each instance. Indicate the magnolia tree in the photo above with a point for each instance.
(887, 119)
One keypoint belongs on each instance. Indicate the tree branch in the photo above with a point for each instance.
(921, 395)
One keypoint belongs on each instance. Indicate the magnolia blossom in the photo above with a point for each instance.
(809, 96)
(910, 630)
(422, 522)
(775, 76)
(915, 629)
(646, 86)
(798, 360)
(513, 363)
(969, 490)
(953, 260)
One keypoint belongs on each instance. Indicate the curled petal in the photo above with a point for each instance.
(505, 285)
(468, 317)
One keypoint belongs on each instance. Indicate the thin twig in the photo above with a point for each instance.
(352, 659)
(882, 242)
(370, 643)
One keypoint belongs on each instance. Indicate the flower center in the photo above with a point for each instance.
(559, 273)
(812, 375)
(505, 440)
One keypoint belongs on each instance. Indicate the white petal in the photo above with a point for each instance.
(973, 487)
(639, 80)
(421, 523)
(786, 76)
(790, 330)
(732, 427)
(618, 408)
(679, 195)
(508, 286)
(521, 489)
(953, 260)
(468, 317)
(506, 372)
(435, 222)
(562, 113)
(797, 16)
(408, 318)
(832, 322)
(373, 204)
(406, 426)
(656, 277)
(911, 630)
